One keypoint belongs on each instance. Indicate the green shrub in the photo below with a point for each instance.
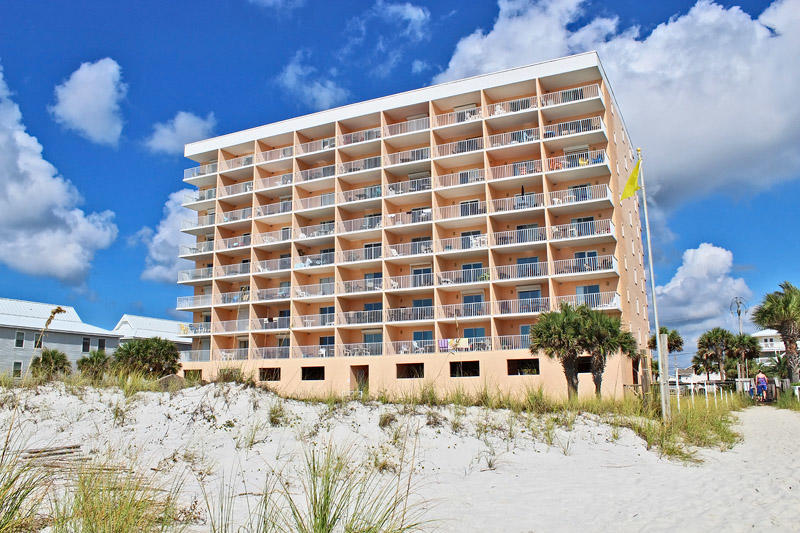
(155, 357)
(50, 364)
(94, 365)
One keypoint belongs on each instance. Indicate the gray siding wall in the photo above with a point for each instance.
(69, 343)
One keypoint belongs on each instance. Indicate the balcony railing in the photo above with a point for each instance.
(284, 206)
(414, 217)
(321, 200)
(408, 186)
(195, 356)
(519, 236)
(199, 222)
(274, 265)
(270, 237)
(514, 137)
(521, 201)
(590, 228)
(316, 146)
(408, 156)
(409, 248)
(316, 173)
(409, 126)
(584, 264)
(521, 270)
(313, 260)
(522, 306)
(314, 350)
(520, 168)
(466, 209)
(317, 230)
(242, 241)
(598, 300)
(464, 310)
(580, 194)
(360, 136)
(411, 347)
(274, 181)
(236, 269)
(468, 344)
(237, 188)
(195, 274)
(235, 215)
(360, 254)
(274, 154)
(580, 159)
(356, 195)
(361, 285)
(232, 326)
(570, 95)
(234, 354)
(463, 177)
(200, 195)
(201, 300)
(360, 224)
(360, 317)
(266, 324)
(572, 127)
(273, 293)
(314, 290)
(362, 349)
(459, 147)
(323, 320)
(457, 117)
(196, 248)
(471, 275)
(410, 281)
(513, 342)
(358, 165)
(238, 162)
(271, 352)
(467, 242)
(235, 297)
(512, 106)
(202, 170)
(404, 314)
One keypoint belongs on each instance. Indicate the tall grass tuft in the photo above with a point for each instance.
(22, 488)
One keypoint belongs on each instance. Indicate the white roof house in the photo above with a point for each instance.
(143, 327)
(22, 314)
(770, 341)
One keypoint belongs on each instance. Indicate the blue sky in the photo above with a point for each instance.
(250, 63)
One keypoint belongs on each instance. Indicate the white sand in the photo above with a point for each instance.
(592, 478)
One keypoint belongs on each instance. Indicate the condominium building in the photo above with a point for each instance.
(414, 238)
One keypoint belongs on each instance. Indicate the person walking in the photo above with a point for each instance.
(761, 386)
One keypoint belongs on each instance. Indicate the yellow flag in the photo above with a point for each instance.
(632, 184)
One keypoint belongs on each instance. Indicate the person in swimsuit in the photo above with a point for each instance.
(761, 386)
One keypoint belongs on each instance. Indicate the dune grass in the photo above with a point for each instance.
(22, 488)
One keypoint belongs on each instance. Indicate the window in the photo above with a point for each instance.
(473, 304)
(313, 373)
(101, 345)
(373, 337)
(37, 340)
(422, 302)
(525, 329)
(85, 345)
(410, 370)
(372, 280)
(19, 339)
(423, 276)
(471, 272)
(523, 367)
(326, 346)
(587, 295)
(465, 369)
(269, 374)
(470, 207)
(16, 371)
(422, 341)
(372, 250)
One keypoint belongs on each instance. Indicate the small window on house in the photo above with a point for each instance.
(269, 374)
(101, 345)
(523, 367)
(410, 370)
(313, 373)
(37, 340)
(465, 369)
(19, 339)
(85, 346)
(584, 365)
(16, 371)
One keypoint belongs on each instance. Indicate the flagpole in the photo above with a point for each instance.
(662, 377)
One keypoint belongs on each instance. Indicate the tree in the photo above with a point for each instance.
(743, 348)
(733, 367)
(558, 335)
(602, 336)
(777, 367)
(674, 340)
(155, 357)
(50, 364)
(703, 361)
(718, 342)
(94, 365)
(780, 311)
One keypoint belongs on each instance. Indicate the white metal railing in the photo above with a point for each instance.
(235, 215)
(459, 147)
(570, 95)
(195, 356)
(274, 181)
(361, 285)
(512, 106)
(360, 224)
(316, 230)
(263, 324)
(580, 194)
(597, 300)
(360, 317)
(361, 349)
(474, 175)
(364, 193)
(468, 275)
(467, 242)
(584, 264)
(235, 297)
(360, 254)
(202, 170)
(314, 321)
(411, 347)
(464, 310)
(276, 208)
(271, 352)
(514, 137)
(465, 209)
(195, 328)
(269, 237)
(200, 195)
(196, 248)
(314, 350)
(274, 154)
(200, 300)
(231, 326)
(468, 344)
(579, 159)
(403, 314)
(313, 260)
(396, 219)
(368, 163)
(202, 220)
(582, 229)
(520, 168)
(274, 265)
(521, 201)
(457, 117)
(316, 146)
(237, 162)
(316, 173)
(404, 187)
(522, 306)
(321, 200)
(273, 293)
(233, 354)
(408, 126)
(409, 281)
(521, 270)
(314, 290)
(513, 342)
(408, 156)
(242, 241)
(409, 248)
(195, 274)
(236, 269)
(360, 136)
(237, 188)
(572, 127)
(519, 236)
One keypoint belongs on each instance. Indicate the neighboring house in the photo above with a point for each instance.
(143, 327)
(771, 344)
(21, 323)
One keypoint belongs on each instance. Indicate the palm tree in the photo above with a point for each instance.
(744, 347)
(717, 341)
(50, 364)
(602, 337)
(674, 340)
(558, 335)
(703, 361)
(94, 365)
(780, 311)
(777, 367)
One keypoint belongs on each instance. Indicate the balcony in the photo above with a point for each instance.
(500, 140)
(316, 202)
(517, 237)
(361, 285)
(472, 275)
(520, 271)
(469, 344)
(518, 203)
(273, 265)
(269, 324)
(274, 155)
(361, 136)
(409, 314)
(411, 281)
(574, 198)
(459, 147)
(411, 347)
(414, 217)
(315, 260)
(519, 169)
(232, 326)
(357, 195)
(273, 293)
(362, 349)
(582, 231)
(409, 126)
(237, 188)
(324, 320)
(458, 117)
(591, 131)
(277, 208)
(464, 310)
(242, 241)
(470, 242)
(317, 146)
(190, 302)
(408, 186)
(236, 269)
(196, 248)
(196, 274)
(360, 254)
(409, 248)
(355, 318)
(202, 170)
(522, 306)
(201, 222)
(234, 354)
(316, 173)
(238, 162)
(314, 290)
(195, 356)
(407, 156)
(271, 182)
(317, 230)
(272, 237)
(465, 209)
(232, 298)
(237, 215)
(199, 195)
(314, 350)
(599, 300)
(368, 163)
(585, 267)
(581, 100)
(513, 342)
(360, 224)
(527, 103)
(464, 177)
(271, 352)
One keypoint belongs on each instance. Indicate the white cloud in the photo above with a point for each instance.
(412, 18)
(169, 137)
(162, 262)
(710, 95)
(418, 66)
(88, 101)
(42, 230)
(305, 83)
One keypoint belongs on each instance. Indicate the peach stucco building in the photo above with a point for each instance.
(414, 238)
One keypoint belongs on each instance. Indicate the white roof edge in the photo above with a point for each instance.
(431, 92)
